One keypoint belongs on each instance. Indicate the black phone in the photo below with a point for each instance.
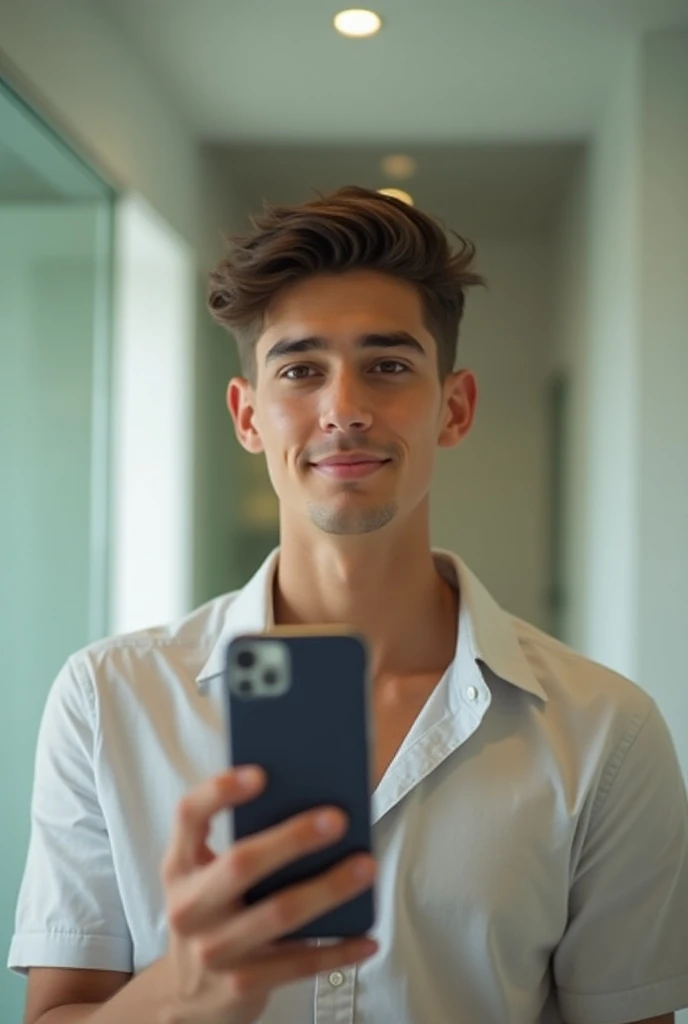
(297, 705)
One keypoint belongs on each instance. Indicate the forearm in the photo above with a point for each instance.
(143, 1000)
(70, 1014)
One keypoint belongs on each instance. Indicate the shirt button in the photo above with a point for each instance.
(336, 979)
(472, 693)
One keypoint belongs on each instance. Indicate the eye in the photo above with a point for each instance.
(300, 372)
(390, 367)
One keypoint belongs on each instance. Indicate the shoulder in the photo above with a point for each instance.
(585, 698)
(566, 673)
(606, 732)
(163, 656)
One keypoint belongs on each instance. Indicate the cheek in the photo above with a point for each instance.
(419, 425)
(420, 436)
(281, 423)
(266, 413)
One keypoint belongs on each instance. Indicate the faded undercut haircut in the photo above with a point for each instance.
(350, 229)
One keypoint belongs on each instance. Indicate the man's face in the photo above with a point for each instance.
(347, 405)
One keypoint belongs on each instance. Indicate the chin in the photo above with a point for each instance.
(339, 521)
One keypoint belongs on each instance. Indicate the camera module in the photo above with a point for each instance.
(246, 659)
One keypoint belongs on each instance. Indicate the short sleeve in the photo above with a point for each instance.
(624, 955)
(69, 912)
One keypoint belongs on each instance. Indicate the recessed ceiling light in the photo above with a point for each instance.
(397, 193)
(357, 24)
(399, 166)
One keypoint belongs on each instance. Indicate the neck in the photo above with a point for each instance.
(383, 585)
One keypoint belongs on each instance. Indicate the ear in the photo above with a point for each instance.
(242, 407)
(460, 396)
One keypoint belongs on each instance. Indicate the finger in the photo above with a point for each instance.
(203, 900)
(196, 810)
(270, 919)
(295, 961)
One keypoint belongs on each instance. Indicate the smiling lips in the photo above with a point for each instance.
(349, 466)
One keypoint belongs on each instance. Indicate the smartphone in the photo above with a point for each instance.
(297, 705)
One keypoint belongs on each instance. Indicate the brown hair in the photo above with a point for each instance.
(352, 228)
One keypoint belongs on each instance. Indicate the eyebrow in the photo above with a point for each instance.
(390, 340)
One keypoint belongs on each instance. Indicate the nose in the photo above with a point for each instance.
(344, 405)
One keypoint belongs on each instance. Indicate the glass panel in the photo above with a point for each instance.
(55, 235)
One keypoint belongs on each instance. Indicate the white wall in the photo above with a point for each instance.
(490, 499)
(623, 311)
(152, 409)
(663, 379)
(597, 345)
(611, 533)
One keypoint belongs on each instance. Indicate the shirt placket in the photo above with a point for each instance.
(334, 996)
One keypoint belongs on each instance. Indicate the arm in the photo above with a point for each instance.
(623, 954)
(65, 996)
(69, 912)
(668, 1018)
(70, 917)
(58, 995)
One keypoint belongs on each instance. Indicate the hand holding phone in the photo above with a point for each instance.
(224, 958)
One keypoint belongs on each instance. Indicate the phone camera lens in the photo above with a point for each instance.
(270, 677)
(246, 686)
(246, 659)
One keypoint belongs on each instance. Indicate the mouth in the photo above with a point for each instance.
(348, 467)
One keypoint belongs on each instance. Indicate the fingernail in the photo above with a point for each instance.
(364, 871)
(248, 777)
(328, 822)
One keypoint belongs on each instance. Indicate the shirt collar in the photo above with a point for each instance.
(492, 637)
(250, 611)
(491, 633)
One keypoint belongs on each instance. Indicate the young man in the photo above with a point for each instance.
(531, 827)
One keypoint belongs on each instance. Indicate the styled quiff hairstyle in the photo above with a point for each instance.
(350, 229)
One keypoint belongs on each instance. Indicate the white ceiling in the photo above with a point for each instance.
(494, 98)
(439, 71)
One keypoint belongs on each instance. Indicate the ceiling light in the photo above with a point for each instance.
(399, 166)
(397, 193)
(357, 24)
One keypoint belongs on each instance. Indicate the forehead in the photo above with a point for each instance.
(345, 305)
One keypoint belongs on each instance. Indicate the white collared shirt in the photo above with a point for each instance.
(531, 832)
